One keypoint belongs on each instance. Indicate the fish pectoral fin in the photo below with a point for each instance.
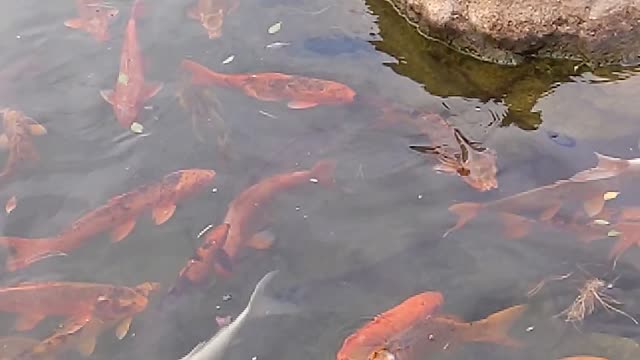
(151, 89)
(123, 328)
(162, 213)
(300, 105)
(35, 128)
(26, 322)
(515, 226)
(120, 232)
(594, 205)
(86, 345)
(495, 328)
(262, 240)
(4, 142)
(550, 212)
(76, 23)
(193, 13)
(107, 95)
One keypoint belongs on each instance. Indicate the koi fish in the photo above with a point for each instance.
(204, 107)
(33, 302)
(118, 215)
(418, 331)
(259, 305)
(587, 188)
(244, 212)
(199, 267)
(298, 91)
(584, 358)
(94, 18)
(81, 333)
(18, 139)
(131, 90)
(475, 164)
(211, 14)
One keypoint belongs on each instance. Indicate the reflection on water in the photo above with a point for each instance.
(346, 252)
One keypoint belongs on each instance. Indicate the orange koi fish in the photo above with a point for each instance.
(18, 138)
(200, 266)
(412, 330)
(33, 302)
(298, 91)
(586, 188)
(94, 18)
(211, 14)
(475, 164)
(131, 90)
(81, 333)
(118, 215)
(245, 213)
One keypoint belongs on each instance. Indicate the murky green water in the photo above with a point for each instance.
(347, 253)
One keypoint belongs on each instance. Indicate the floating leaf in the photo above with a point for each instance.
(11, 205)
(228, 60)
(275, 27)
(613, 233)
(610, 195)
(601, 222)
(137, 128)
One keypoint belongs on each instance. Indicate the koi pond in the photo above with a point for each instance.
(306, 180)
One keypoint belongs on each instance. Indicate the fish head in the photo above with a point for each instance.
(98, 24)
(125, 113)
(213, 22)
(341, 93)
(477, 166)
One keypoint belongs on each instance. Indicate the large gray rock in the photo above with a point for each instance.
(506, 31)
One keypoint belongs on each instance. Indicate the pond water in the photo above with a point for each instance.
(346, 252)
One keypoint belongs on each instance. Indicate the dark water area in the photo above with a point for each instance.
(345, 253)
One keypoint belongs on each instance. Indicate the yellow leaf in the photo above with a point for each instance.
(11, 205)
(137, 128)
(610, 195)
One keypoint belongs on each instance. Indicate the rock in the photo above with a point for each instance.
(507, 31)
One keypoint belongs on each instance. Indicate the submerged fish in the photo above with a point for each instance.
(119, 215)
(12, 346)
(298, 91)
(17, 137)
(33, 302)
(211, 14)
(94, 17)
(411, 332)
(201, 265)
(475, 164)
(245, 214)
(259, 305)
(586, 188)
(131, 90)
(80, 333)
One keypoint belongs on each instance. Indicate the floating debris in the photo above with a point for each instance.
(223, 320)
(613, 233)
(601, 222)
(536, 289)
(610, 195)
(275, 28)
(204, 231)
(589, 296)
(137, 128)
(277, 45)
(229, 59)
(226, 297)
(11, 205)
(267, 114)
(313, 180)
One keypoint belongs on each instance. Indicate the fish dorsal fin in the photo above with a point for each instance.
(194, 350)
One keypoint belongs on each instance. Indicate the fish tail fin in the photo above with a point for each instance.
(203, 76)
(323, 171)
(495, 328)
(626, 239)
(24, 252)
(261, 304)
(607, 167)
(465, 211)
